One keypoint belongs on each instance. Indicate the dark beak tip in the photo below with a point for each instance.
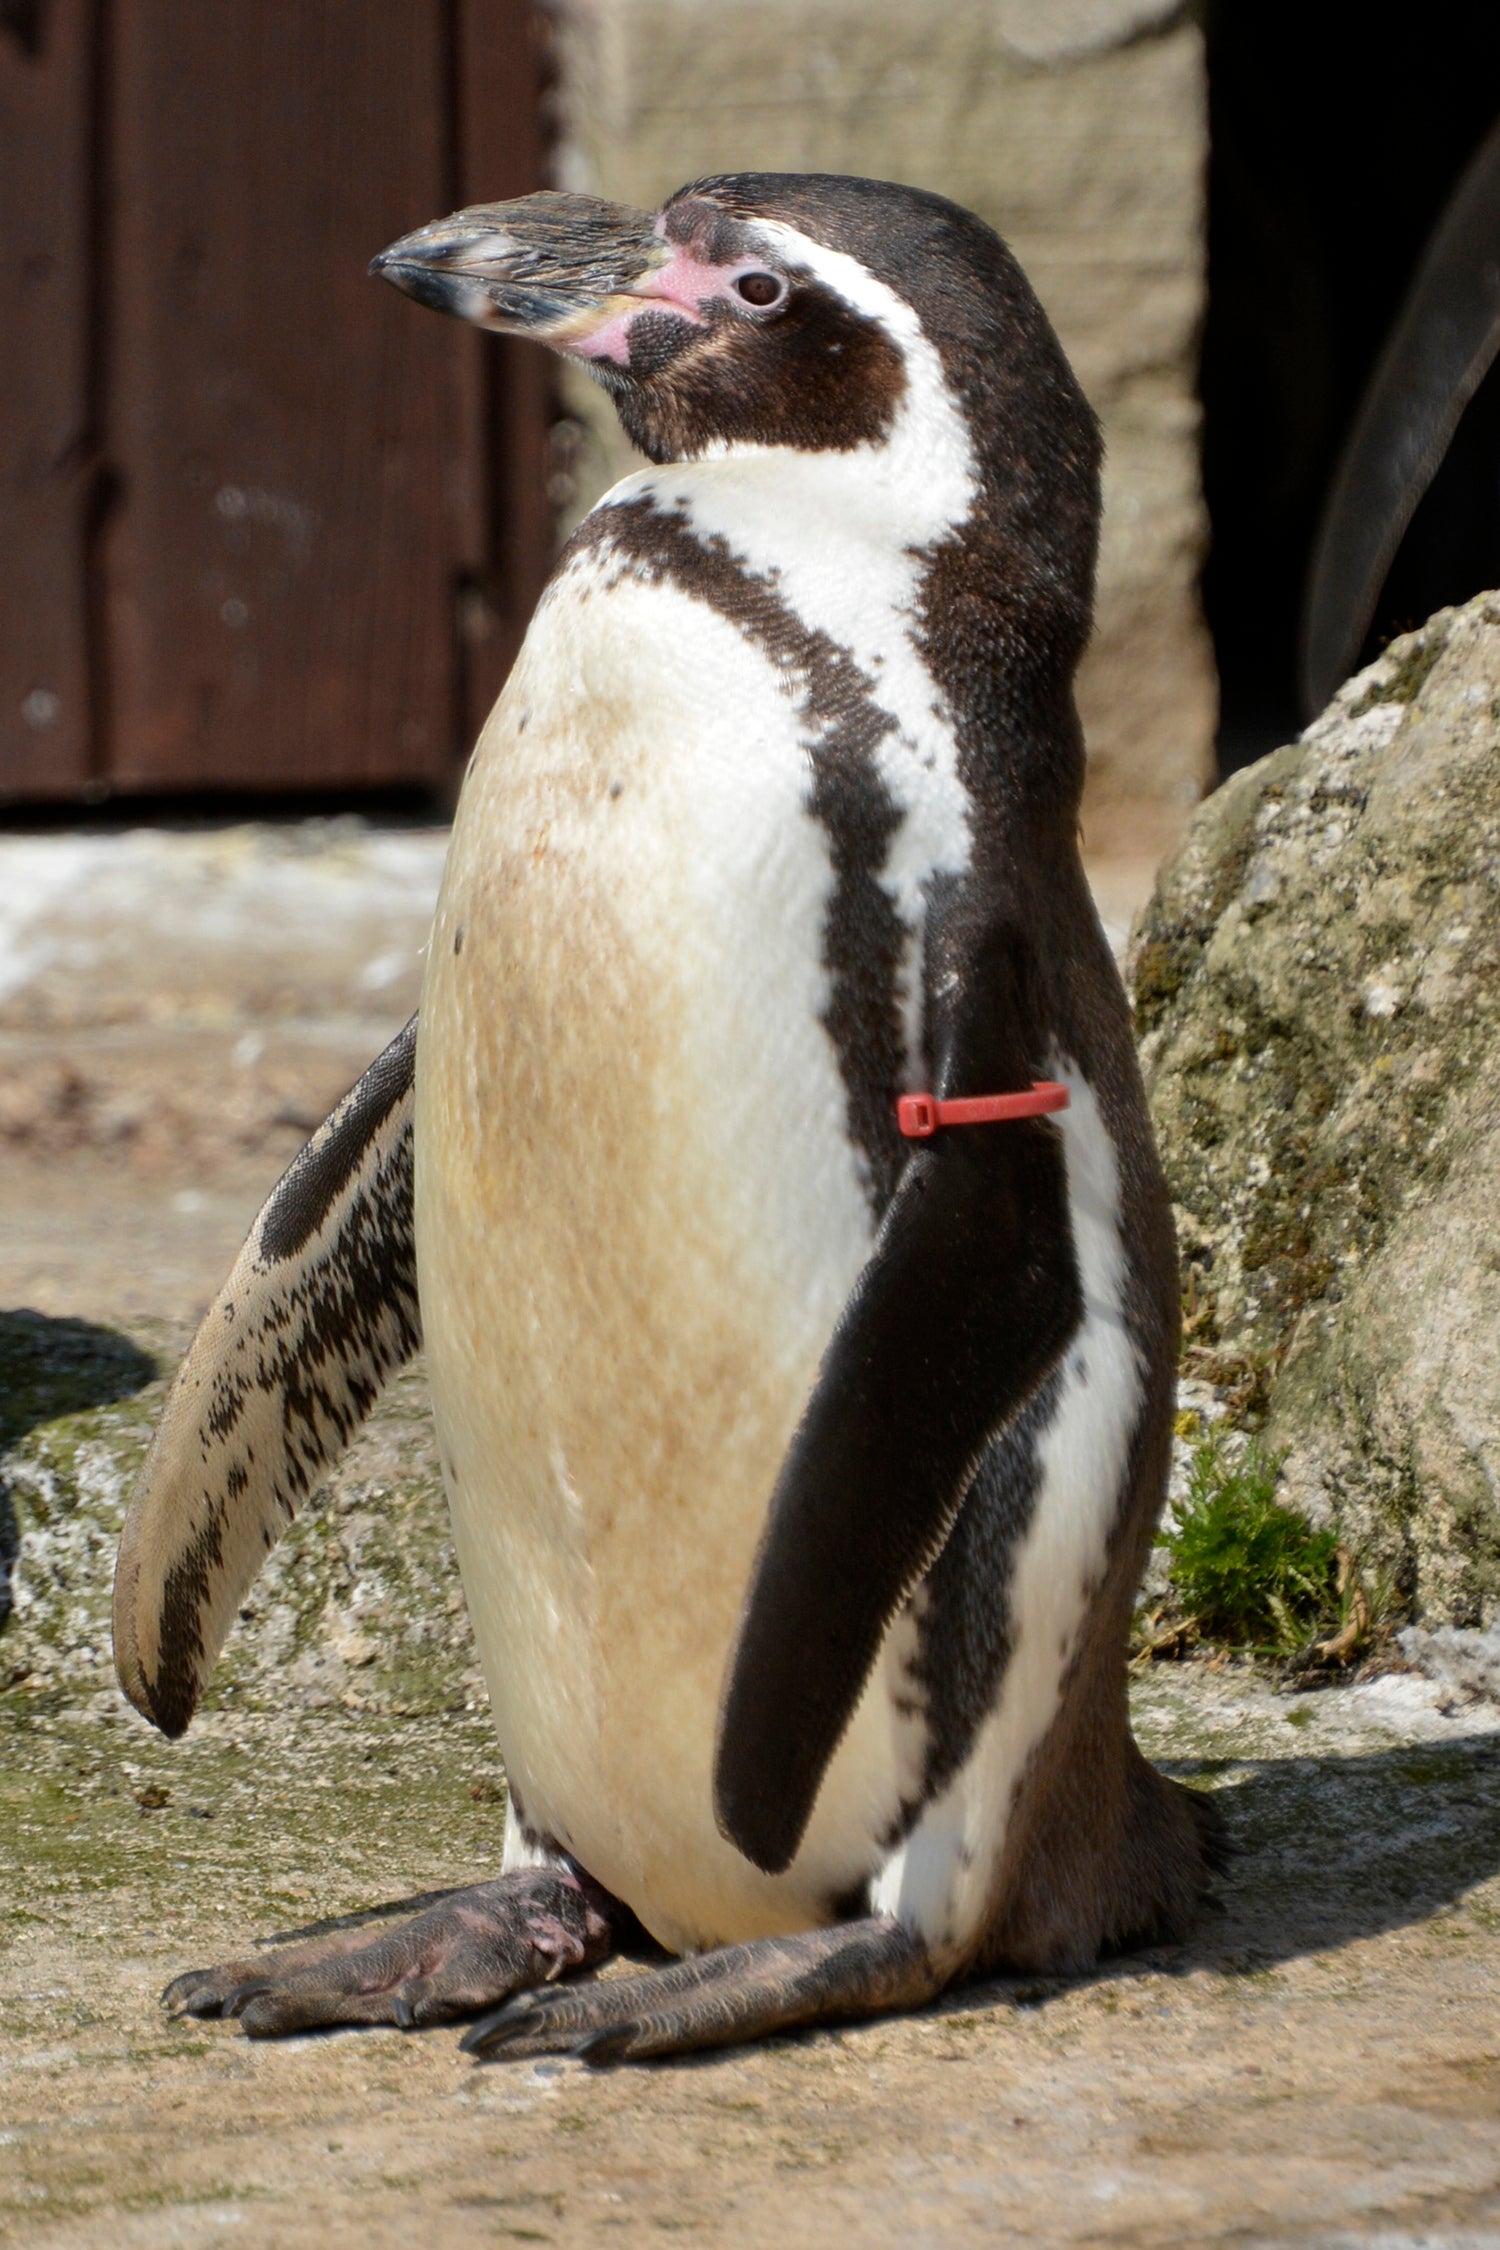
(410, 251)
(387, 263)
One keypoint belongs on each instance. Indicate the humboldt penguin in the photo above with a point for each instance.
(803, 1436)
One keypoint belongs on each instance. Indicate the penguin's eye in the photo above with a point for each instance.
(760, 289)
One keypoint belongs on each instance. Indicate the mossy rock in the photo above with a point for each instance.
(1317, 987)
(360, 1606)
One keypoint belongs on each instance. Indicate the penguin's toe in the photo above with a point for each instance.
(200, 1992)
(599, 2023)
(717, 1999)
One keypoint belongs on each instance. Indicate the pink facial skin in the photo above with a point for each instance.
(683, 286)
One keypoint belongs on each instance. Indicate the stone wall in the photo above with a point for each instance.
(1078, 129)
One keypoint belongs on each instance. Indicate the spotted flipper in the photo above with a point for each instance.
(320, 1309)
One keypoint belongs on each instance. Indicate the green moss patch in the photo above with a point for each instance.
(1249, 1572)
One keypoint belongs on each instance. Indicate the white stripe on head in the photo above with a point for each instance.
(920, 481)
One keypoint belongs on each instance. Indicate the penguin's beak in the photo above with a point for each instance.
(566, 269)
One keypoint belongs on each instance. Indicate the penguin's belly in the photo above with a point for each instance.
(638, 1216)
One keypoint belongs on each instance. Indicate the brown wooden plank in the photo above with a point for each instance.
(289, 432)
(502, 70)
(45, 462)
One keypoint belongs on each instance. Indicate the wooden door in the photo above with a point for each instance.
(48, 437)
(304, 525)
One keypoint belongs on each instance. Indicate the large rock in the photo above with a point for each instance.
(1318, 987)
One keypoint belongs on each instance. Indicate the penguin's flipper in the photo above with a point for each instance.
(967, 1303)
(320, 1309)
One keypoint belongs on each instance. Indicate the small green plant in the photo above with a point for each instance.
(1246, 1570)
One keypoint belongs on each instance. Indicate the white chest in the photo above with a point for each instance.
(638, 1218)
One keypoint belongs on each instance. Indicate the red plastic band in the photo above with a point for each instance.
(920, 1115)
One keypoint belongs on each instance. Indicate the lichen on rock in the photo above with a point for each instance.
(1317, 985)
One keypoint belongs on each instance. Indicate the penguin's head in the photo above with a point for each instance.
(764, 309)
(880, 328)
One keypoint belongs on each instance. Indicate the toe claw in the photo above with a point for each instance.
(204, 2003)
(197, 1992)
(238, 1998)
(604, 2048)
(517, 2019)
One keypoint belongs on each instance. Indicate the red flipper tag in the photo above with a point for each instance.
(917, 1116)
(920, 1115)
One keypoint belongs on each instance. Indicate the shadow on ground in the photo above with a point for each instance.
(1332, 1848)
(1327, 1850)
(49, 1368)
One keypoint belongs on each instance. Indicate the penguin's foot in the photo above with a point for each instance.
(719, 1999)
(462, 1953)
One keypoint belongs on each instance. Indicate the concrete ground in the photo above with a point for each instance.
(1319, 2066)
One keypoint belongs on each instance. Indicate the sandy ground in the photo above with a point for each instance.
(1320, 2066)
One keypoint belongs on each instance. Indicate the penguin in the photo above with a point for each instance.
(803, 1436)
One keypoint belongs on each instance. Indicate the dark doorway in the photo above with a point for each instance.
(266, 527)
(1335, 143)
